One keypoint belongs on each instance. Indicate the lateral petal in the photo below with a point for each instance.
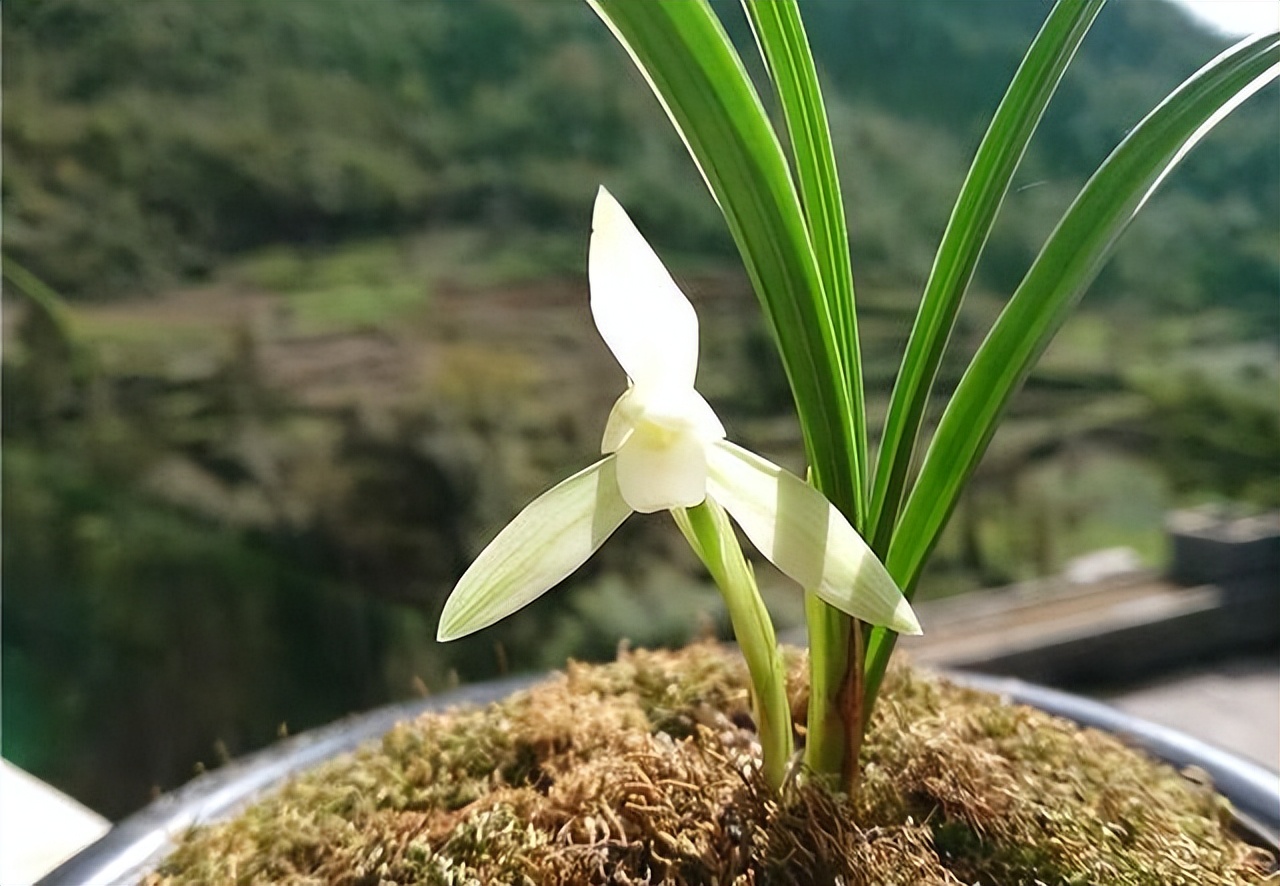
(642, 315)
(622, 421)
(548, 540)
(805, 536)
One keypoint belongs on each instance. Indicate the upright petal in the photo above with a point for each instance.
(548, 540)
(804, 535)
(642, 315)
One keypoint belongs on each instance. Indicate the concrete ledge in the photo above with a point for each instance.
(1139, 632)
(1125, 627)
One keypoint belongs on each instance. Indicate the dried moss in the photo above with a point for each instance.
(645, 771)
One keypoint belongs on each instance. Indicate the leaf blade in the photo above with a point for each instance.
(692, 68)
(1069, 261)
(1073, 255)
(780, 33)
(972, 218)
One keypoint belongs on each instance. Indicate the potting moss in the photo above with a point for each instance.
(646, 771)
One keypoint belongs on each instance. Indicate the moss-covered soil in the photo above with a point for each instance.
(644, 771)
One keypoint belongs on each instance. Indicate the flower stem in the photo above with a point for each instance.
(707, 528)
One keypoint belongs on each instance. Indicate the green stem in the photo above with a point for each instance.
(835, 721)
(707, 528)
(824, 749)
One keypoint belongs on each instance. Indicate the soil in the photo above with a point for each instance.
(646, 770)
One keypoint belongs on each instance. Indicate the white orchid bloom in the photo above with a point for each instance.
(665, 449)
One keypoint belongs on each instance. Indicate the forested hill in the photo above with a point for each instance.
(146, 141)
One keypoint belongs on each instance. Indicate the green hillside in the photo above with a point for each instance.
(146, 141)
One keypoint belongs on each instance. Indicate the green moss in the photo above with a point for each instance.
(644, 770)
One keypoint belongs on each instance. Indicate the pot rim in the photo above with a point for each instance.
(1253, 789)
(134, 846)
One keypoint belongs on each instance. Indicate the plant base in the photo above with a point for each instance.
(646, 771)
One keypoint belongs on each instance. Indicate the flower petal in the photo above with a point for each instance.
(658, 470)
(700, 418)
(804, 535)
(642, 315)
(548, 540)
(622, 421)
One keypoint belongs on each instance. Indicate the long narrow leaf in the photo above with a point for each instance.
(785, 48)
(1071, 258)
(962, 243)
(780, 34)
(693, 69)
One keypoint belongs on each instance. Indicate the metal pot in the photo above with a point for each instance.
(135, 846)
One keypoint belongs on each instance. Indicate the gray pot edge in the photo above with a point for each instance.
(1253, 789)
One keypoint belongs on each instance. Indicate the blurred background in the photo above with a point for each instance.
(295, 319)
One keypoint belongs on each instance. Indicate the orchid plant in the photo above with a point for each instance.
(665, 449)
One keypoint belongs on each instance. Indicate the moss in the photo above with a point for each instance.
(645, 770)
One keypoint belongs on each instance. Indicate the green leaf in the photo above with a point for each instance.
(781, 36)
(967, 231)
(697, 76)
(1069, 261)
(693, 69)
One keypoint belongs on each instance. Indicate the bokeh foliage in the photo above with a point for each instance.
(145, 141)
(323, 268)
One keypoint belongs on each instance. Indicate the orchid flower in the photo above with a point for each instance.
(665, 449)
